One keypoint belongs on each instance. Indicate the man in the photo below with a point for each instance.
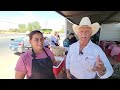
(68, 41)
(85, 59)
(72, 38)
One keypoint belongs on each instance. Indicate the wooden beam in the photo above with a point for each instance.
(110, 16)
(86, 13)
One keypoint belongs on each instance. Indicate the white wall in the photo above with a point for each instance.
(110, 32)
(68, 28)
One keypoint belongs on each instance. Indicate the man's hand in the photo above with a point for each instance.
(99, 66)
(68, 74)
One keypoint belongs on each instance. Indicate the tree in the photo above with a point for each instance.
(33, 26)
(36, 25)
(22, 27)
(47, 31)
(29, 27)
(13, 30)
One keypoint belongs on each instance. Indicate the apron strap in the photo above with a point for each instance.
(34, 55)
(45, 52)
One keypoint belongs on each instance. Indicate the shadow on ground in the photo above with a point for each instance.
(18, 54)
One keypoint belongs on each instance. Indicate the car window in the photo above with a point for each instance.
(19, 39)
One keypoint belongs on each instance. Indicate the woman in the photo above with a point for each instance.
(54, 39)
(36, 63)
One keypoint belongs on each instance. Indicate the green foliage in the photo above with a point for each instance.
(46, 31)
(30, 27)
(36, 25)
(14, 30)
(22, 27)
(33, 26)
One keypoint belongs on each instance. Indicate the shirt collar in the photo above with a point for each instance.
(88, 45)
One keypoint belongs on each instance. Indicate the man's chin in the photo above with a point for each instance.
(84, 41)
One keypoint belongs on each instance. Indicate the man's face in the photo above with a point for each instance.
(70, 36)
(84, 34)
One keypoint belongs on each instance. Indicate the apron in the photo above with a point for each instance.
(42, 68)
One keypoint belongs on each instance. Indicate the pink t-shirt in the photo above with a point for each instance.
(27, 58)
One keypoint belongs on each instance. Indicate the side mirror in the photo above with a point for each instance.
(11, 39)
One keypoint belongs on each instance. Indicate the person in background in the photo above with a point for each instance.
(72, 38)
(85, 59)
(66, 44)
(54, 39)
(46, 42)
(36, 63)
(58, 36)
(68, 41)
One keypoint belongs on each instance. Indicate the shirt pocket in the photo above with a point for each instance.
(88, 62)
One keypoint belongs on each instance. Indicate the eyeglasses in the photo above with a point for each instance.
(37, 39)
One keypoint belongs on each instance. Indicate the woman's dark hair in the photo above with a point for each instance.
(34, 32)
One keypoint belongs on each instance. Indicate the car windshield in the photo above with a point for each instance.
(19, 39)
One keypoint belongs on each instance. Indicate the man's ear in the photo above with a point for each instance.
(91, 33)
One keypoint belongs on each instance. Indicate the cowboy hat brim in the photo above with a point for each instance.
(95, 27)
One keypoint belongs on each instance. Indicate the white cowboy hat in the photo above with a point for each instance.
(86, 21)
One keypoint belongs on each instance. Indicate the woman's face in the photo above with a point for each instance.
(37, 41)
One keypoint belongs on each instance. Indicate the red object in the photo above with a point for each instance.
(118, 58)
(20, 44)
(57, 69)
(108, 52)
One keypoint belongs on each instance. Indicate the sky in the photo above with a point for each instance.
(47, 19)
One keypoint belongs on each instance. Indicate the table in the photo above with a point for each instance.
(115, 51)
(112, 46)
(107, 44)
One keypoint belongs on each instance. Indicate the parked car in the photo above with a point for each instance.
(17, 45)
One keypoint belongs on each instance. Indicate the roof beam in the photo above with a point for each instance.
(65, 16)
(83, 13)
(110, 16)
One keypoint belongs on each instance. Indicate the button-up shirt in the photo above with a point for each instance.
(81, 65)
(52, 40)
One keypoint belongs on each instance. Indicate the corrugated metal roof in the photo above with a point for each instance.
(95, 16)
